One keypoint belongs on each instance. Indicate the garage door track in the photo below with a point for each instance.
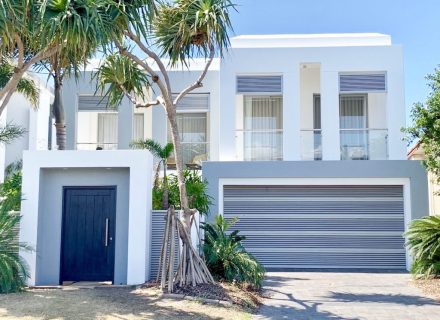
(353, 296)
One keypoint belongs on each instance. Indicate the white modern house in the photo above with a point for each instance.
(298, 136)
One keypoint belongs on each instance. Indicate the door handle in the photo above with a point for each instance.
(106, 232)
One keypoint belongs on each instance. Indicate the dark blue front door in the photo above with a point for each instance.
(88, 238)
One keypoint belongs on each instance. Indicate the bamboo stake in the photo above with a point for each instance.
(173, 241)
(161, 250)
(163, 271)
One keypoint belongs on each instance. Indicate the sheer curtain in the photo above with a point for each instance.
(263, 124)
(193, 135)
(353, 115)
(108, 130)
(138, 126)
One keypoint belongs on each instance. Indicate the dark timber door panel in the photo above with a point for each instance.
(355, 226)
(88, 238)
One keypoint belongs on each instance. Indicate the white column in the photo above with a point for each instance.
(125, 124)
(139, 222)
(330, 115)
(291, 115)
(227, 148)
(395, 114)
(29, 211)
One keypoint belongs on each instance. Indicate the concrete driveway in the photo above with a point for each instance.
(331, 295)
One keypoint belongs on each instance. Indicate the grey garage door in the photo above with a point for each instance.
(320, 226)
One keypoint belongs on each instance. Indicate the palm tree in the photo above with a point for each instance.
(178, 31)
(24, 39)
(163, 154)
(83, 27)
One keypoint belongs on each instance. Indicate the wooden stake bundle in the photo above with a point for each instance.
(191, 268)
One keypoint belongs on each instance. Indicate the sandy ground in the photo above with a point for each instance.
(430, 287)
(108, 303)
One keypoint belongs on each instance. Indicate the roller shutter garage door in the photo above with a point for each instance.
(352, 227)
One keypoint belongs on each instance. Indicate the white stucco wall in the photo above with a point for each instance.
(333, 60)
(45, 172)
(34, 120)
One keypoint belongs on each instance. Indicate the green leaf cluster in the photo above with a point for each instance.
(423, 240)
(426, 125)
(226, 257)
(196, 189)
(13, 269)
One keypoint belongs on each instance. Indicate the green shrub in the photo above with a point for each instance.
(13, 270)
(11, 187)
(196, 189)
(423, 240)
(226, 257)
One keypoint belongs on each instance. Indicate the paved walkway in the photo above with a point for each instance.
(351, 296)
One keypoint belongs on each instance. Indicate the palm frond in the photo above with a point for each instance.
(13, 269)
(225, 255)
(29, 89)
(10, 132)
(26, 86)
(423, 240)
(153, 146)
(192, 28)
(118, 76)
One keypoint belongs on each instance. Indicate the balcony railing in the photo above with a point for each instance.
(311, 144)
(364, 144)
(254, 145)
(95, 146)
(193, 153)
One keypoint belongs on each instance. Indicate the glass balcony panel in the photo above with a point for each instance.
(260, 145)
(311, 145)
(364, 144)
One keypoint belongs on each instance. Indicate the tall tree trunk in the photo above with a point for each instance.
(58, 112)
(8, 90)
(165, 202)
(171, 114)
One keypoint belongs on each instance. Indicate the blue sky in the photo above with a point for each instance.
(414, 24)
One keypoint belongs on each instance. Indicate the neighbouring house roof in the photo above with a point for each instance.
(311, 40)
(416, 152)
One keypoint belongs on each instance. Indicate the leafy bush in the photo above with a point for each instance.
(226, 257)
(11, 187)
(195, 188)
(13, 270)
(423, 239)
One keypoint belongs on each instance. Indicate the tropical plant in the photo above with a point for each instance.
(423, 240)
(161, 153)
(84, 26)
(10, 132)
(177, 31)
(13, 269)
(425, 128)
(24, 39)
(26, 86)
(196, 186)
(225, 255)
(11, 186)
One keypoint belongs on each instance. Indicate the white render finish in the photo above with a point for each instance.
(325, 57)
(264, 58)
(35, 121)
(138, 166)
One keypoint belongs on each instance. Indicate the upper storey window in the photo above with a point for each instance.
(362, 116)
(259, 118)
